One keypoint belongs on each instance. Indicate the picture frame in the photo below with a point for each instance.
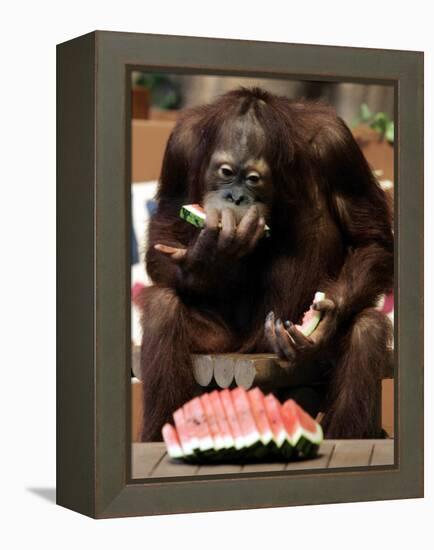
(93, 281)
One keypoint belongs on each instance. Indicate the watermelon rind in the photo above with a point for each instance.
(306, 442)
(192, 216)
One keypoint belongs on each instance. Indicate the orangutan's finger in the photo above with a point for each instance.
(228, 229)
(286, 346)
(259, 233)
(324, 306)
(177, 254)
(299, 338)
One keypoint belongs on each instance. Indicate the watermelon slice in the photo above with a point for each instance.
(272, 407)
(232, 419)
(211, 418)
(195, 214)
(170, 437)
(256, 400)
(201, 427)
(192, 434)
(304, 433)
(184, 436)
(249, 429)
(312, 317)
(280, 437)
(222, 422)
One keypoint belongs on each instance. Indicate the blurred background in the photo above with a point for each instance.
(156, 102)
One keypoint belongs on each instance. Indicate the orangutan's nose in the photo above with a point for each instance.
(235, 195)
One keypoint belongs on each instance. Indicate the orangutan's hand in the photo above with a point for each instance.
(290, 344)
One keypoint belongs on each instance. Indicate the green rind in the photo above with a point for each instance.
(306, 448)
(258, 452)
(191, 218)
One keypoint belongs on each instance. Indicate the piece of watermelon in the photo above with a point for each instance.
(312, 317)
(201, 427)
(170, 438)
(191, 427)
(303, 431)
(222, 421)
(212, 422)
(232, 419)
(245, 417)
(256, 400)
(182, 431)
(280, 437)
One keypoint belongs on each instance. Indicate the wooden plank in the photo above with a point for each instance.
(383, 453)
(151, 460)
(322, 460)
(213, 469)
(352, 452)
(145, 457)
(173, 468)
(264, 467)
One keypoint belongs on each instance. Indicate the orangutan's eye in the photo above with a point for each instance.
(253, 177)
(226, 171)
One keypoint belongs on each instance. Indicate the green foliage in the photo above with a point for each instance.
(165, 92)
(380, 122)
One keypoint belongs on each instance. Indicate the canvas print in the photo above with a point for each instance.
(262, 273)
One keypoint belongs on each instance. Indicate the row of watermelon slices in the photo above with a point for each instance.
(241, 426)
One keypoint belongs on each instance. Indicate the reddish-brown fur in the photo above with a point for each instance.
(330, 231)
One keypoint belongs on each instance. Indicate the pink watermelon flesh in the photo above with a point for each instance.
(201, 425)
(222, 421)
(306, 421)
(245, 417)
(182, 430)
(173, 445)
(290, 418)
(232, 418)
(256, 400)
(312, 317)
(299, 423)
(272, 408)
(191, 426)
(212, 421)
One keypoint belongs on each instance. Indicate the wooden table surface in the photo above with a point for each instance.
(151, 460)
